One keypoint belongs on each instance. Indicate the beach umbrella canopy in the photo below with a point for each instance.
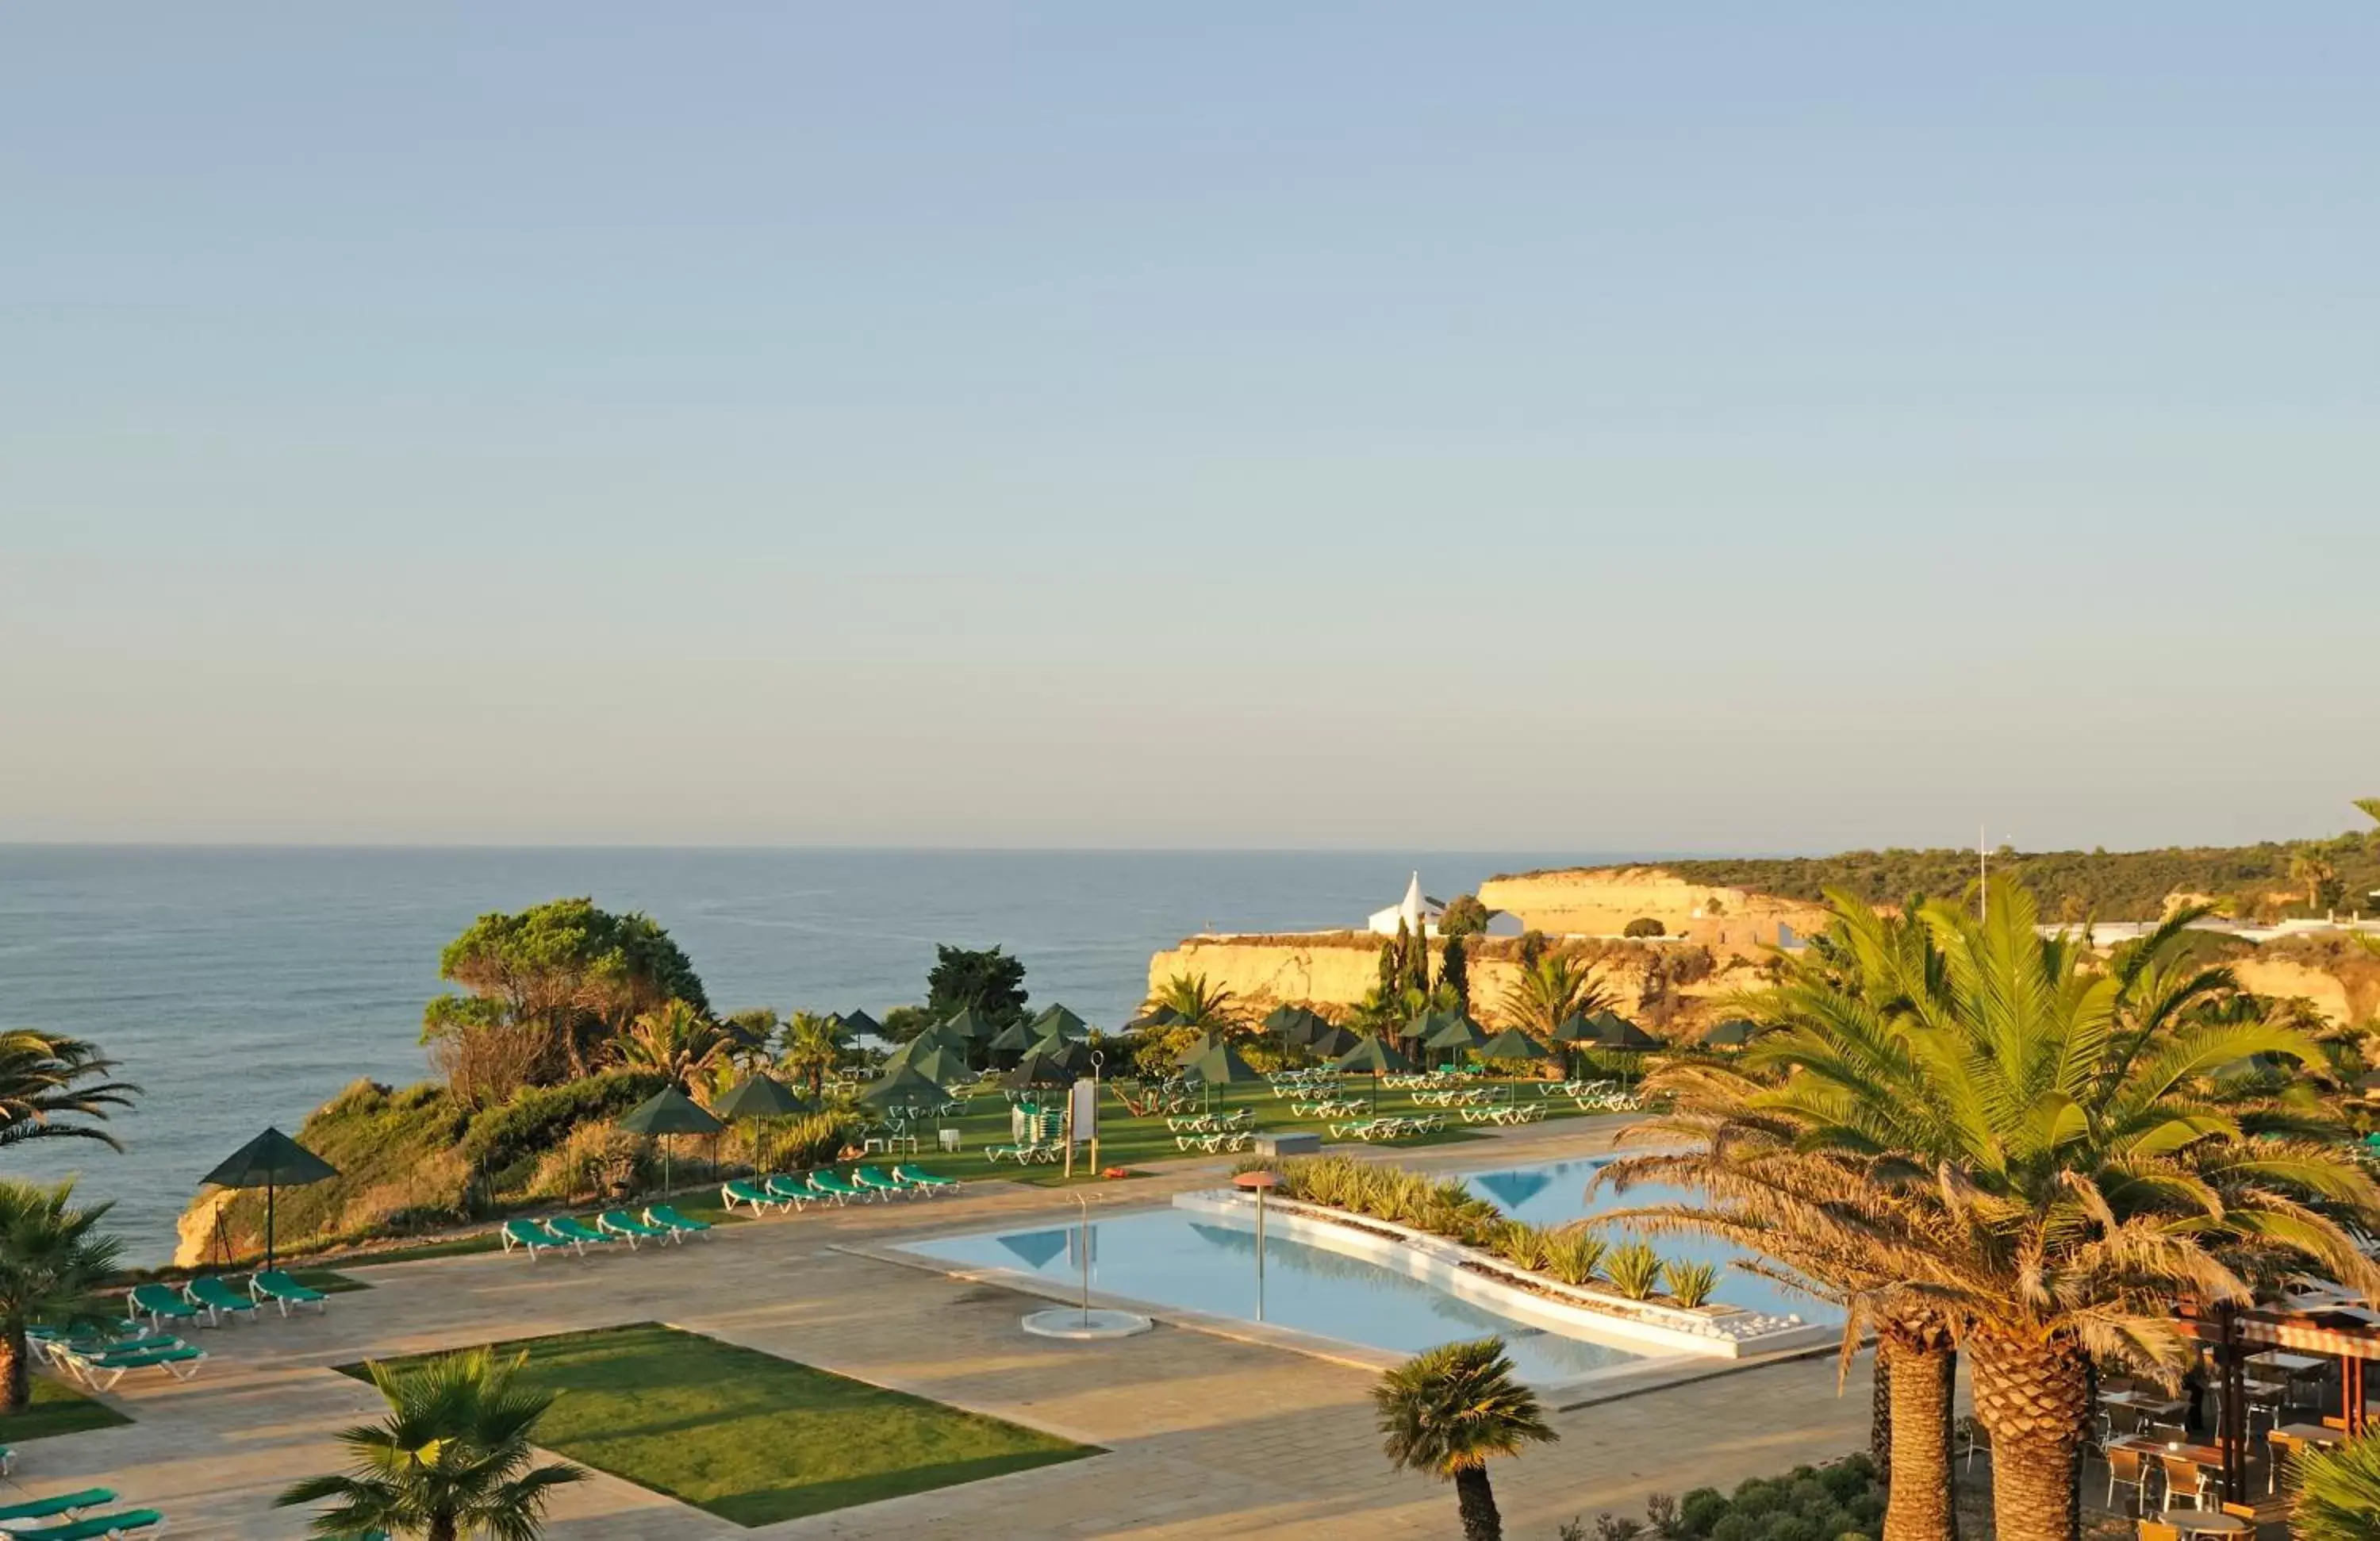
(1458, 1031)
(1575, 1028)
(1614, 1031)
(903, 1088)
(1221, 1066)
(1513, 1044)
(1332, 1042)
(758, 1096)
(1733, 1033)
(1199, 1049)
(668, 1111)
(272, 1161)
(939, 1063)
(1295, 1024)
(1037, 1069)
(1422, 1027)
(1372, 1056)
(1156, 1016)
(970, 1025)
(1011, 1039)
(857, 1021)
(1058, 1022)
(1072, 1058)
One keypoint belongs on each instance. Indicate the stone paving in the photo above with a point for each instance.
(1204, 1435)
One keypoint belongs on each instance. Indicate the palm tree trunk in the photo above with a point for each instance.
(1879, 1410)
(2031, 1392)
(1919, 1368)
(16, 1380)
(1476, 1500)
(442, 1528)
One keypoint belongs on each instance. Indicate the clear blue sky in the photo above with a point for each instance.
(1577, 427)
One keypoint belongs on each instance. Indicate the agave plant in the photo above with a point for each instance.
(1690, 1284)
(1574, 1255)
(1635, 1269)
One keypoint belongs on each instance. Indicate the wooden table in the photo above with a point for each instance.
(2202, 1522)
(2203, 1455)
(2154, 1404)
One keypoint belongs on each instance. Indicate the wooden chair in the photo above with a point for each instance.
(2128, 1468)
(2184, 1478)
(2152, 1531)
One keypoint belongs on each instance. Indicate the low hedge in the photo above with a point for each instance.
(1839, 1501)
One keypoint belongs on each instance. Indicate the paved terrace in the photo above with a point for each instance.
(1208, 1436)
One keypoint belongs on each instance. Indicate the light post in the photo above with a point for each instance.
(1260, 1182)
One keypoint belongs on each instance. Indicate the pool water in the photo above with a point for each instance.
(1179, 1258)
(1554, 1193)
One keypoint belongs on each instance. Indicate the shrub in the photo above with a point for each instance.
(1576, 1254)
(814, 1140)
(1690, 1284)
(1701, 1509)
(1635, 1269)
(542, 1118)
(599, 1158)
(1643, 926)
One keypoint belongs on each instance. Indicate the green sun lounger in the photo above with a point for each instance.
(217, 1299)
(104, 1370)
(791, 1191)
(161, 1303)
(530, 1237)
(98, 1527)
(64, 1503)
(828, 1186)
(576, 1234)
(870, 1180)
(742, 1191)
(285, 1292)
(672, 1221)
(924, 1182)
(59, 1350)
(619, 1223)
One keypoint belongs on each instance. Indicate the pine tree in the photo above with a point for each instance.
(1416, 970)
(1454, 973)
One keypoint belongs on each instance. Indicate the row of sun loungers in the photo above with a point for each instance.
(209, 1301)
(1607, 1099)
(1329, 1107)
(659, 1223)
(1389, 1127)
(1213, 1123)
(66, 1517)
(1027, 1153)
(1237, 1139)
(790, 1191)
(1505, 1113)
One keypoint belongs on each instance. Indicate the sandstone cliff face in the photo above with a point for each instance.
(1602, 901)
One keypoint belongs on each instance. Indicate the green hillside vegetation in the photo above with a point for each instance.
(2267, 882)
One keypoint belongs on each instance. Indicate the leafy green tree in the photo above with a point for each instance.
(904, 1022)
(53, 1261)
(2319, 876)
(1466, 916)
(2027, 1139)
(47, 1081)
(989, 981)
(2337, 1492)
(814, 1046)
(1454, 973)
(567, 974)
(1392, 965)
(1448, 1412)
(454, 1459)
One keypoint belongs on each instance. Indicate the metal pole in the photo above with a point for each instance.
(1260, 1207)
(1085, 1233)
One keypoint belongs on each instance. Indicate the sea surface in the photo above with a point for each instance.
(244, 986)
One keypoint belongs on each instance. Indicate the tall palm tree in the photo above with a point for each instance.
(1551, 990)
(1449, 1412)
(1201, 1006)
(53, 1261)
(675, 1040)
(2336, 1491)
(2307, 868)
(2027, 1138)
(46, 1078)
(813, 1047)
(452, 1459)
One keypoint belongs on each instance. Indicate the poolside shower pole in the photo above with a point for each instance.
(1086, 1237)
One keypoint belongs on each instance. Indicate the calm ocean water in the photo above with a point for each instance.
(245, 987)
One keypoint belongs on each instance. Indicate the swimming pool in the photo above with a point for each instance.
(1554, 1193)
(1178, 1259)
(1189, 1261)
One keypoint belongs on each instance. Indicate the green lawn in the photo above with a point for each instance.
(1125, 1140)
(753, 1438)
(57, 1408)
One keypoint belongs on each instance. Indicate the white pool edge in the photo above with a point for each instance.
(1442, 1264)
